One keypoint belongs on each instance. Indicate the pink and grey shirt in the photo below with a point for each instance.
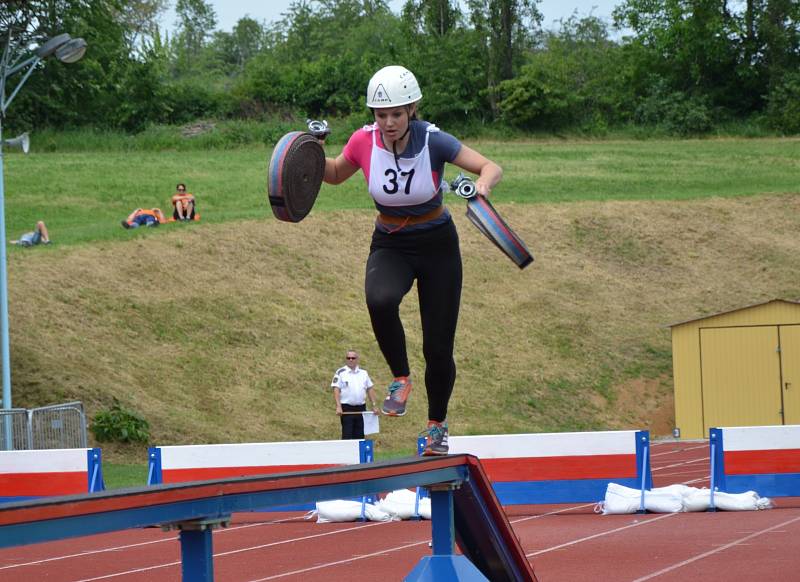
(409, 185)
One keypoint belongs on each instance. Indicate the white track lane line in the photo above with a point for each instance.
(698, 480)
(129, 546)
(339, 562)
(681, 464)
(714, 551)
(685, 474)
(86, 553)
(237, 551)
(529, 517)
(676, 451)
(599, 535)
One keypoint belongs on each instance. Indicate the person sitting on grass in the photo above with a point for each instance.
(38, 236)
(183, 204)
(144, 217)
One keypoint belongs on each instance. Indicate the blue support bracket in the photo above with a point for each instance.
(154, 476)
(444, 565)
(197, 553)
(96, 482)
(366, 450)
(644, 473)
(444, 569)
(717, 457)
(197, 556)
(366, 454)
(420, 492)
(442, 524)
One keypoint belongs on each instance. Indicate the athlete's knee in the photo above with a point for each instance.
(383, 300)
(440, 353)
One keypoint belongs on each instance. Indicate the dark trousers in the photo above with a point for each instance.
(353, 424)
(190, 216)
(433, 258)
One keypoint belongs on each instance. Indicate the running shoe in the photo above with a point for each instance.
(399, 391)
(435, 439)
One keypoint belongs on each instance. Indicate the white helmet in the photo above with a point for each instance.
(392, 86)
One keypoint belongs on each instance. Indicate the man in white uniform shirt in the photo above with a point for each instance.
(351, 386)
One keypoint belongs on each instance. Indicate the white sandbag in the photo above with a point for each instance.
(400, 504)
(674, 498)
(340, 510)
(699, 500)
(623, 491)
(747, 501)
(676, 489)
(621, 500)
(657, 501)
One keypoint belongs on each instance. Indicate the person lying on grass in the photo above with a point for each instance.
(38, 236)
(144, 217)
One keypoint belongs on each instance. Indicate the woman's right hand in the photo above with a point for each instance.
(319, 129)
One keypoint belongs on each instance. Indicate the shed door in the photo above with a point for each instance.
(790, 371)
(741, 375)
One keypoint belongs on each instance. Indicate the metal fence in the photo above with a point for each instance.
(59, 426)
(14, 433)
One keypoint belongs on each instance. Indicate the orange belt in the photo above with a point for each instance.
(408, 220)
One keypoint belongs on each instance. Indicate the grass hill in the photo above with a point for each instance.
(230, 332)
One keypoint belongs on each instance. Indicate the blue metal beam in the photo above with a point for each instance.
(145, 514)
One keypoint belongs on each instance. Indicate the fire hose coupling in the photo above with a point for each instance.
(319, 129)
(463, 186)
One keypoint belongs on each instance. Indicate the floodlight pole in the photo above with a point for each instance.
(5, 350)
(68, 50)
(4, 344)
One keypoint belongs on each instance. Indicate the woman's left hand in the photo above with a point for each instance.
(488, 172)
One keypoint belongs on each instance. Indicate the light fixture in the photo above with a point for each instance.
(51, 45)
(22, 141)
(71, 51)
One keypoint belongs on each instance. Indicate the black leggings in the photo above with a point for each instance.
(433, 258)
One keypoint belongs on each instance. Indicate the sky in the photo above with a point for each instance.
(230, 11)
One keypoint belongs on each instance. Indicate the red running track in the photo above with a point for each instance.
(564, 543)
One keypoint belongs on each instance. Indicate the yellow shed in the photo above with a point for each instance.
(737, 368)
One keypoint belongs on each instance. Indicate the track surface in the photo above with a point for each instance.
(564, 543)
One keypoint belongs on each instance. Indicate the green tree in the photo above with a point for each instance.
(247, 40)
(769, 33)
(195, 25)
(576, 78)
(309, 69)
(506, 30)
(139, 20)
(728, 54)
(688, 40)
(783, 104)
(433, 17)
(446, 59)
(87, 92)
